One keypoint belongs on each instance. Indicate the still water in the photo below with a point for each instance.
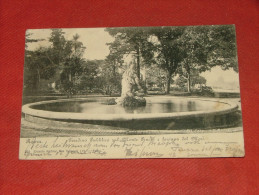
(99, 106)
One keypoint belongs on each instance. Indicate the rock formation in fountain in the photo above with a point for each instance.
(131, 90)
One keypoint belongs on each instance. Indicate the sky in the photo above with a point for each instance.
(95, 40)
(226, 80)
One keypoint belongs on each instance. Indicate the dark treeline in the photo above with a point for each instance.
(160, 52)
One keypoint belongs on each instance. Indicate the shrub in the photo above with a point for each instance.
(133, 101)
(204, 91)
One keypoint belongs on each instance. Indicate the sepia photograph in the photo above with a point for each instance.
(131, 92)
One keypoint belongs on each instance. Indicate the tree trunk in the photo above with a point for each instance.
(138, 63)
(114, 68)
(188, 82)
(145, 80)
(70, 77)
(168, 82)
(70, 89)
(38, 79)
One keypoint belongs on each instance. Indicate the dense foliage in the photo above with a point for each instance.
(161, 53)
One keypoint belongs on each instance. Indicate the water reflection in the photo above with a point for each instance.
(100, 107)
(74, 106)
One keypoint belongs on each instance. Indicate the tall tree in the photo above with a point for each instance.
(134, 41)
(109, 77)
(32, 64)
(194, 43)
(62, 56)
(57, 51)
(205, 47)
(115, 57)
(156, 77)
(222, 47)
(72, 65)
(169, 51)
(37, 67)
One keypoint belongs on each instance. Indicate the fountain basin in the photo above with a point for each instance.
(161, 112)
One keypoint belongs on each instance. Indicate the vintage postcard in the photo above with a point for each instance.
(131, 92)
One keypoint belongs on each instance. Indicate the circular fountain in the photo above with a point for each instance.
(132, 112)
(160, 112)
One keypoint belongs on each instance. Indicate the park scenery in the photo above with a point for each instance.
(130, 80)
